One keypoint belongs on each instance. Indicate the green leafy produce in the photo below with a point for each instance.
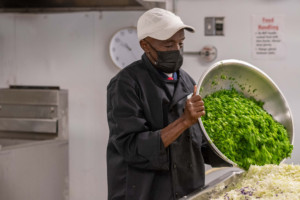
(243, 131)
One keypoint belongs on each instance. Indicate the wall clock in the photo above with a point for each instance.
(124, 47)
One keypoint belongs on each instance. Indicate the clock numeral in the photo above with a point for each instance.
(117, 58)
(113, 49)
(117, 39)
(130, 31)
(122, 33)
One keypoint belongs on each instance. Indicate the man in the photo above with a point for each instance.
(156, 150)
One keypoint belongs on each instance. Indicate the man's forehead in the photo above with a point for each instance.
(177, 36)
(174, 39)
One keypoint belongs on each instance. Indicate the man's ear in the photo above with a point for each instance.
(144, 46)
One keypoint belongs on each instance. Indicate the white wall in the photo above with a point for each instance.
(71, 50)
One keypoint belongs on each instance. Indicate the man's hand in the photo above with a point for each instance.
(194, 108)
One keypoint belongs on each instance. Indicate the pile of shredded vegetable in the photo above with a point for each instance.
(243, 131)
(263, 182)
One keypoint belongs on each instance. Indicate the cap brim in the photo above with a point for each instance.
(190, 29)
(164, 35)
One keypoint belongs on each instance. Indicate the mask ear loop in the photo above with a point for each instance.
(155, 62)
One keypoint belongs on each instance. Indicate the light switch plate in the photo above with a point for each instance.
(213, 26)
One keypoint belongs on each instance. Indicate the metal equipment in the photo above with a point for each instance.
(33, 143)
(205, 192)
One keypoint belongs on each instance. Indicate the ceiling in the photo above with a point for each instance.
(76, 5)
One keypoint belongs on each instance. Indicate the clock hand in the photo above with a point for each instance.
(126, 45)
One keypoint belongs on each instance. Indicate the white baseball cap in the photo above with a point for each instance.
(160, 24)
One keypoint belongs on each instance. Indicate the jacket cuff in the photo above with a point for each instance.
(153, 149)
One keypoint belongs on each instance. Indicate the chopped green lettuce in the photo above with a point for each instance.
(243, 131)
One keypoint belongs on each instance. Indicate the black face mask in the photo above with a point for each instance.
(168, 61)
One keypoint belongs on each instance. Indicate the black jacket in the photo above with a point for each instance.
(139, 105)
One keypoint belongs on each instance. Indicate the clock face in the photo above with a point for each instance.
(124, 47)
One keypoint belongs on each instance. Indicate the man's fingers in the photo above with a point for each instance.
(197, 108)
(196, 98)
(198, 113)
(197, 103)
(202, 113)
(195, 90)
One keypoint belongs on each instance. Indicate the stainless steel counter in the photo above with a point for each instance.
(214, 178)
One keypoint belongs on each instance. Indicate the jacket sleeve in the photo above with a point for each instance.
(130, 133)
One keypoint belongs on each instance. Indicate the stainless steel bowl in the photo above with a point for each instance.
(251, 81)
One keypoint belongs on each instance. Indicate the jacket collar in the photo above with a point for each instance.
(181, 90)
